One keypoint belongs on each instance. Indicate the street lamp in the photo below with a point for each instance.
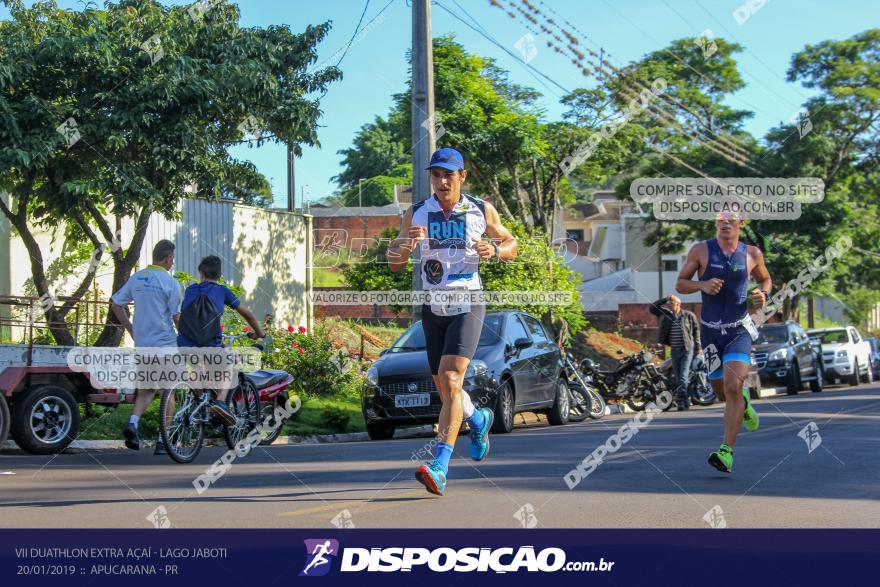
(360, 193)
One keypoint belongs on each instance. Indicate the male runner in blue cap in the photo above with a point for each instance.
(448, 227)
(725, 265)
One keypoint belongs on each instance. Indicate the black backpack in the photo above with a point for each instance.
(200, 321)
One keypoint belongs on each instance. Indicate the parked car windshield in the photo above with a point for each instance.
(772, 334)
(831, 336)
(414, 338)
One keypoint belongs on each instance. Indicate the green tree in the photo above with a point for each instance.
(370, 272)
(536, 269)
(840, 146)
(154, 97)
(377, 150)
(374, 191)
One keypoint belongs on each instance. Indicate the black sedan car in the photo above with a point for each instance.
(517, 367)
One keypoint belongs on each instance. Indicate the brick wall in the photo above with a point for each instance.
(373, 313)
(604, 321)
(342, 229)
(640, 316)
(646, 335)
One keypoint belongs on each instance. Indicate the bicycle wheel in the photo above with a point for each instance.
(244, 402)
(182, 433)
(270, 427)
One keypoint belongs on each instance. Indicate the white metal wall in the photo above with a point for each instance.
(266, 252)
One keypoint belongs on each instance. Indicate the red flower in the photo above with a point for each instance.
(302, 329)
(246, 327)
(295, 344)
(302, 351)
(221, 328)
(290, 328)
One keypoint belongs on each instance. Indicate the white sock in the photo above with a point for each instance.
(466, 404)
(134, 420)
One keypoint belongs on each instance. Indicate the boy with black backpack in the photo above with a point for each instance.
(200, 320)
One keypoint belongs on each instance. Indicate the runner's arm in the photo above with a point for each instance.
(402, 247)
(686, 283)
(762, 277)
(507, 245)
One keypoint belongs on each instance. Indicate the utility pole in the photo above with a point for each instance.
(423, 122)
(291, 180)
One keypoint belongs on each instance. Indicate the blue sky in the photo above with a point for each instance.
(375, 66)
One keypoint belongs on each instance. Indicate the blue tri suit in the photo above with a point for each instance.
(722, 314)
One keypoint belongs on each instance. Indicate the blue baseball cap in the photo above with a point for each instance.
(447, 158)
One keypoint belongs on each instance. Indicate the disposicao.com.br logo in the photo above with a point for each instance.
(318, 553)
(444, 559)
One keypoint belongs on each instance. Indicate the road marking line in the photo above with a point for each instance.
(362, 505)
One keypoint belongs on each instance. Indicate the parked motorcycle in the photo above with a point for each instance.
(635, 380)
(584, 401)
(699, 389)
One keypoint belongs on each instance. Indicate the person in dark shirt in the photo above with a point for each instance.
(678, 330)
(210, 272)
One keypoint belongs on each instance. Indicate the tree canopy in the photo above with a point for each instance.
(689, 129)
(123, 111)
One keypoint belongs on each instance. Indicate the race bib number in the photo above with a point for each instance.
(750, 327)
(446, 303)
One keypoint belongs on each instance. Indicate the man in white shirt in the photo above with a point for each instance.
(156, 295)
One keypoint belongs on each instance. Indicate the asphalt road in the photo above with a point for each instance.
(660, 478)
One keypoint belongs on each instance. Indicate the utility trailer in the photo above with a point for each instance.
(40, 395)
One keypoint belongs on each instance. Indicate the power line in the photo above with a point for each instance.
(532, 70)
(727, 145)
(722, 148)
(485, 34)
(356, 31)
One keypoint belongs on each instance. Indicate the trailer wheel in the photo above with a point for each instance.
(4, 419)
(45, 419)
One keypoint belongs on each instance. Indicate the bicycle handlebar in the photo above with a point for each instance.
(233, 337)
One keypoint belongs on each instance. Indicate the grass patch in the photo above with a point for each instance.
(312, 416)
(316, 416)
(325, 277)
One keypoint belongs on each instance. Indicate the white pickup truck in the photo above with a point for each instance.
(846, 355)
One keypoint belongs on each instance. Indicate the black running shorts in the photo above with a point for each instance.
(452, 335)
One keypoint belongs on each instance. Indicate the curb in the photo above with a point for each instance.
(771, 391)
(625, 409)
(78, 445)
(412, 432)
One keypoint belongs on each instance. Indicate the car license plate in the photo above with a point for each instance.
(412, 400)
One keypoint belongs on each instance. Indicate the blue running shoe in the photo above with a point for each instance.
(479, 447)
(432, 477)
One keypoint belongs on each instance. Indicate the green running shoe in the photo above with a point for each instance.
(750, 416)
(722, 459)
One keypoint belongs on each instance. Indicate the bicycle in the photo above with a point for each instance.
(184, 413)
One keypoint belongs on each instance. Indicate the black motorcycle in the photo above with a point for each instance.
(635, 380)
(584, 401)
(699, 389)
